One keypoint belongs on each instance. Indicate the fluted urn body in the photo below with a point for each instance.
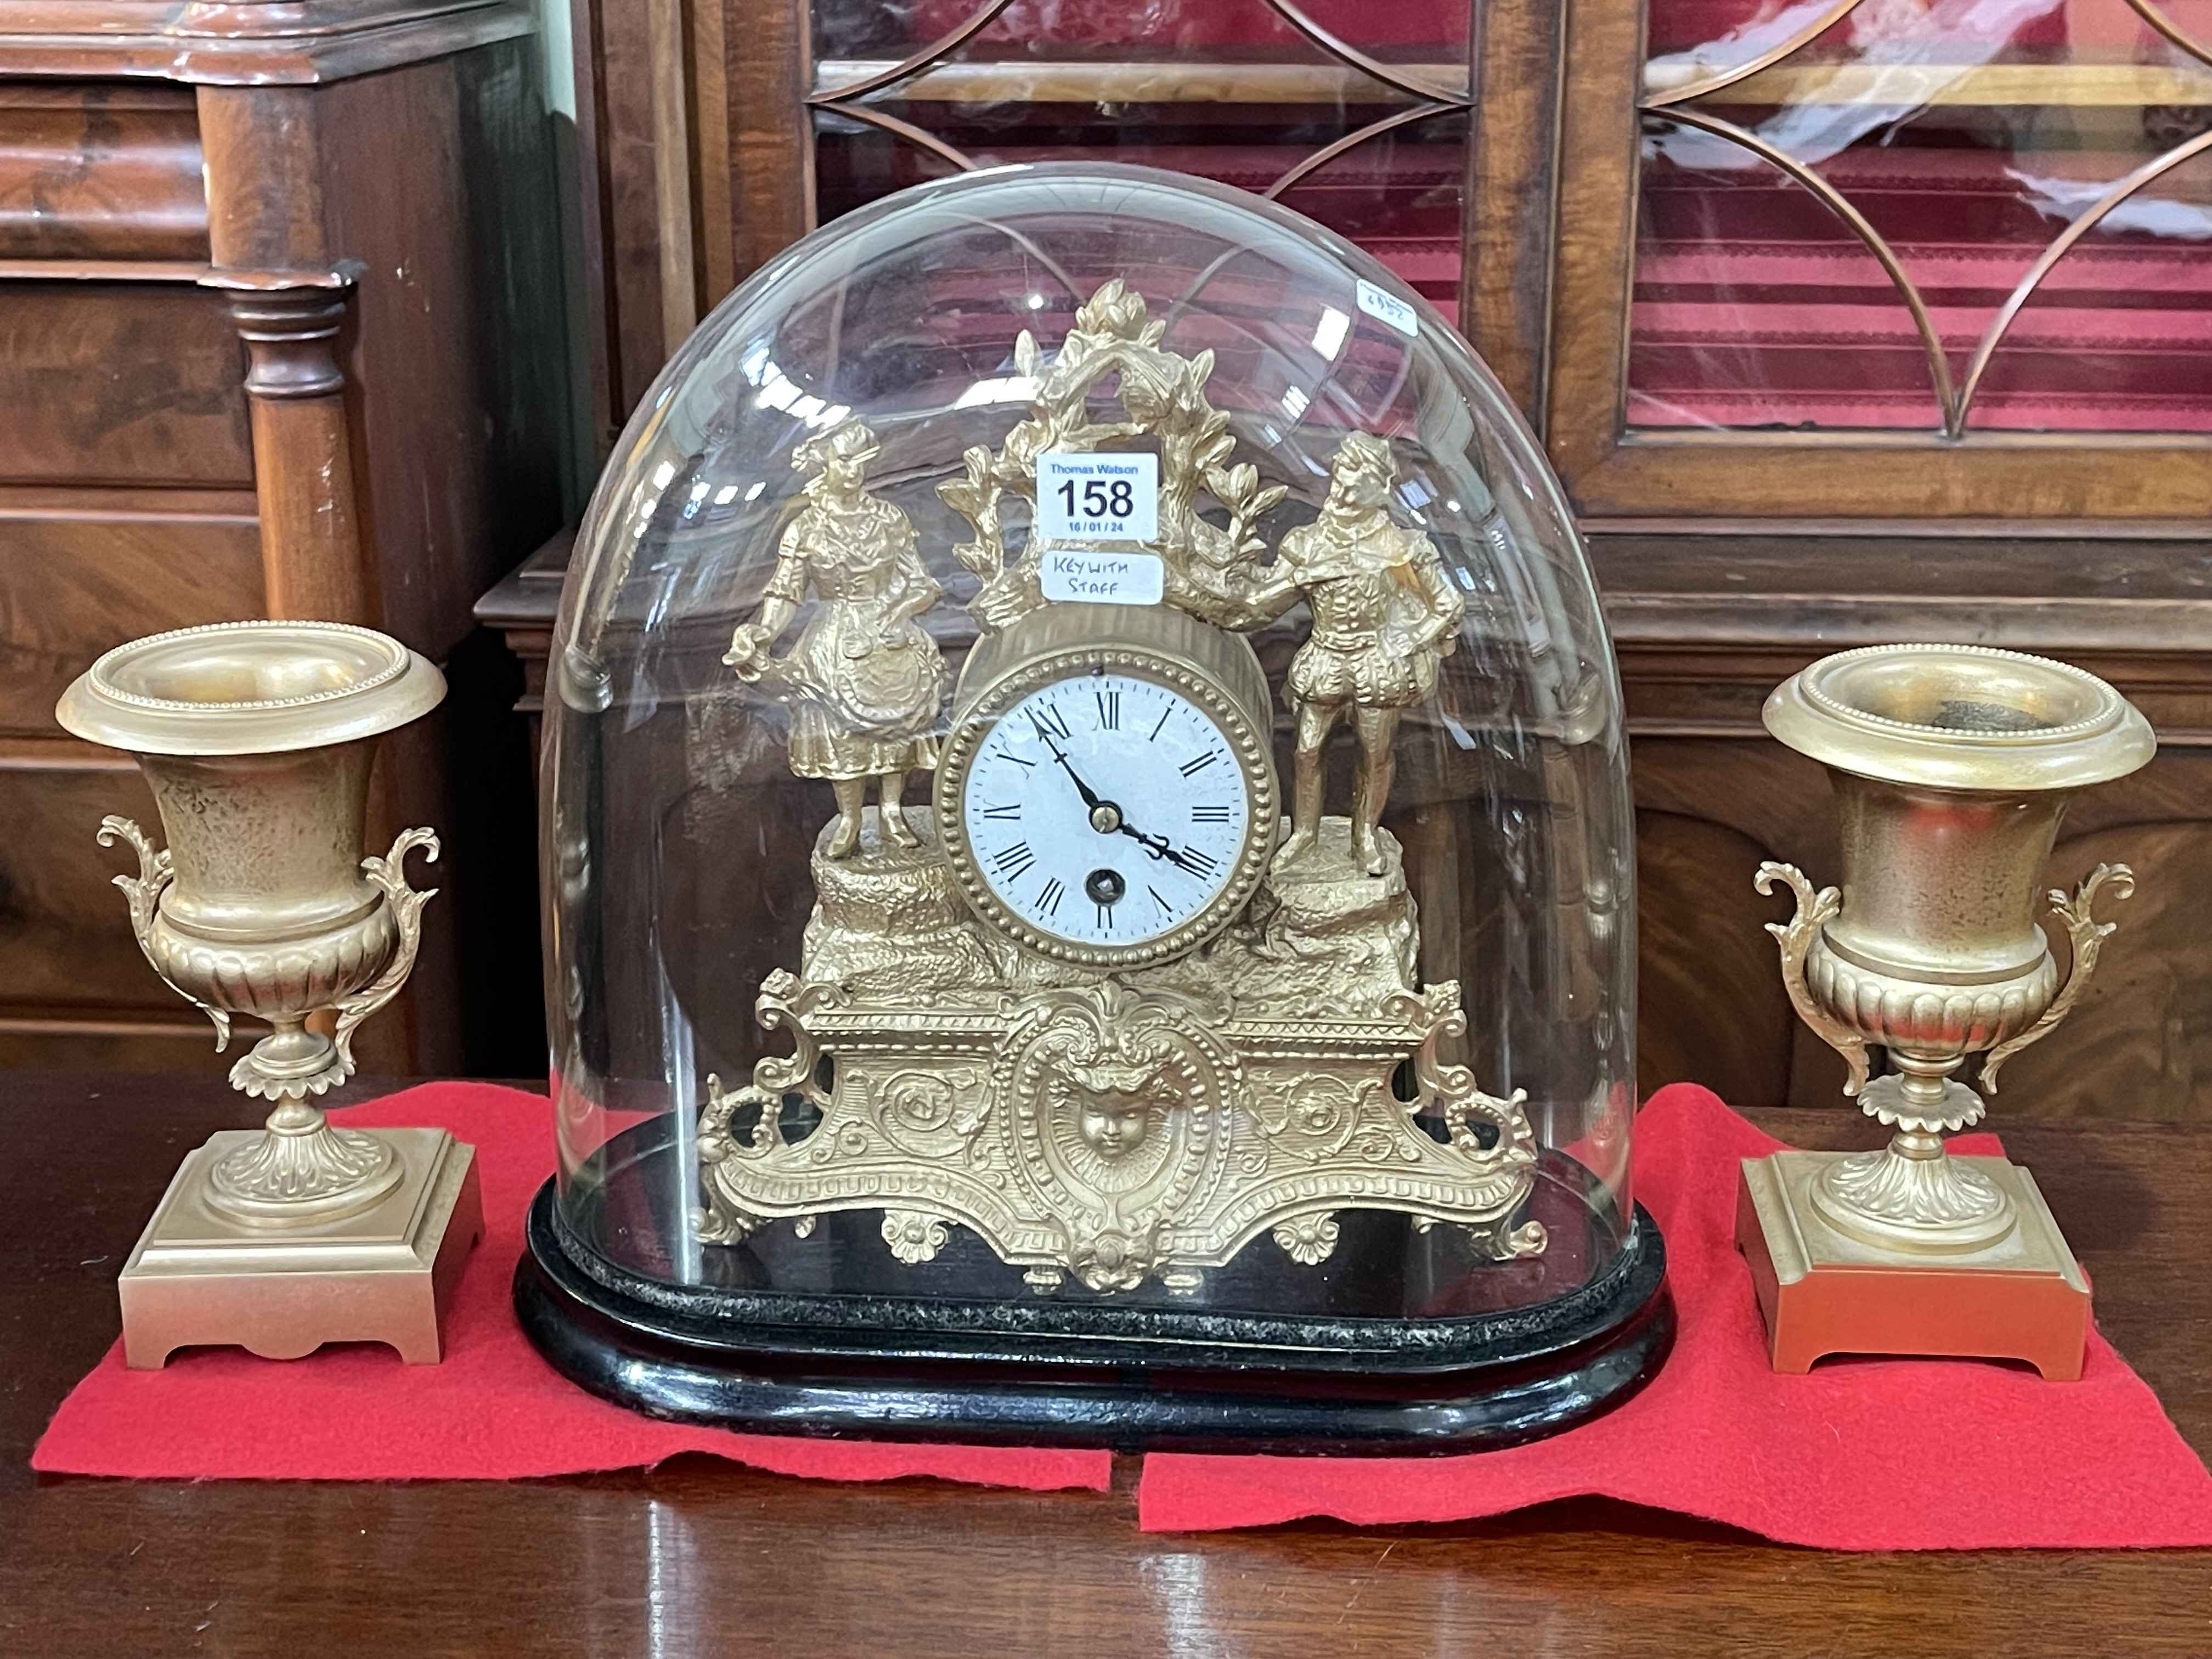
(256, 740)
(1937, 951)
(1951, 767)
(268, 911)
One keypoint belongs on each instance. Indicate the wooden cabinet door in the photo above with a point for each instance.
(1887, 259)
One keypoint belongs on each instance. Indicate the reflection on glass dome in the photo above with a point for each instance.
(1086, 803)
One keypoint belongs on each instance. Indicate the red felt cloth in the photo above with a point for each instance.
(492, 1410)
(1861, 1455)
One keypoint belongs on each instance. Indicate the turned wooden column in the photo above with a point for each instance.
(288, 289)
(311, 550)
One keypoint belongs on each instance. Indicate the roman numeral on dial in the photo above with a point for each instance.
(1191, 768)
(1011, 861)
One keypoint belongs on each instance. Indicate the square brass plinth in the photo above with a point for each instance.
(383, 1275)
(1824, 1292)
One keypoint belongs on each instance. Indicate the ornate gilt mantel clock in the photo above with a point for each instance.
(1103, 1008)
(1082, 1034)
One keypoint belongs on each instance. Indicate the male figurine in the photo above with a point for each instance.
(1384, 617)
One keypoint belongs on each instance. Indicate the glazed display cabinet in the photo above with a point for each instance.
(1841, 321)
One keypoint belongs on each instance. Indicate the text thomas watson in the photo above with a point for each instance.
(1086, 469)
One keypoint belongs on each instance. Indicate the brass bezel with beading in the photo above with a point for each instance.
(1174, 657)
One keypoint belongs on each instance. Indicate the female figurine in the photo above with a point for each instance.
(1383, 619)
(864, 683)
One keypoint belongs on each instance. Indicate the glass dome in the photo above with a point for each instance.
(1085, 803)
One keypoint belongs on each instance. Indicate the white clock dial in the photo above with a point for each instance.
(1105, 810)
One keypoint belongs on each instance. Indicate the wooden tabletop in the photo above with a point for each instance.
(704, 1557)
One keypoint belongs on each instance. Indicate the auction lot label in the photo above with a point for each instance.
(1097, 496)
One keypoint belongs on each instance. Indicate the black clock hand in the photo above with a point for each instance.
(1158, 847)
(1090, 796)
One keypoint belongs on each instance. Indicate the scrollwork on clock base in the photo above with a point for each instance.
(1116, 1135)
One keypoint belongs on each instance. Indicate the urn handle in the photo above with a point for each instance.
(407, 911)
(144, 893)
(1795, 938)
(2087, 935)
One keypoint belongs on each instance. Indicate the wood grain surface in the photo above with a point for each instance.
(81, 569)
(161, 409)
(257, 45)
(700, 1557)
(91, 171)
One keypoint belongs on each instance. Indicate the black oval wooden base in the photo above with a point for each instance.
(1091, 1376)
